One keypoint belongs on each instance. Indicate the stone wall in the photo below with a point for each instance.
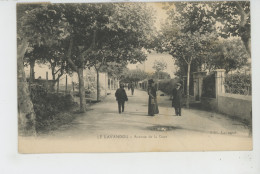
(235, 105)
(230, 104)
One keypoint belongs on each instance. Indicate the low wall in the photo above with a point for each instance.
(235, 105)
(230, 104)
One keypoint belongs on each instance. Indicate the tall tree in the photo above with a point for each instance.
(134, 75)
(229, 54)
(53, 55)
(90, 29)
(188, 28)
(80, 40)
(159, 66)
(234, 20)
(161, 75)
(115, 70)
(30, 58)
(120, 35)
(32, 29)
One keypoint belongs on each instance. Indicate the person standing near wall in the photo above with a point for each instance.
(121, 97)
(177, 99)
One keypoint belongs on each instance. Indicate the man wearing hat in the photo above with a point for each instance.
(177, 99)
(121, 97)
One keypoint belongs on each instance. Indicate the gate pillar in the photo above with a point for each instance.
(198, 81)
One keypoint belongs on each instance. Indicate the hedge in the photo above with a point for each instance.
(49, 107)
(167, 86)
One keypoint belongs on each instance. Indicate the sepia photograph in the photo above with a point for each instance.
(134, 77)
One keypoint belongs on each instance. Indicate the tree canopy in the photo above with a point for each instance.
(198, 32)
(159, 66)
(90, 34)
(233, 18)
(194, 34)
(134, 75)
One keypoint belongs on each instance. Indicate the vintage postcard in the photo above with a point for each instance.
(134, 77)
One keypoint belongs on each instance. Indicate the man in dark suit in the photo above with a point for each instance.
(121, 97)
(177, 99)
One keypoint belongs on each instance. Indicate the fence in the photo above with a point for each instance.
(238, 83)
(48, 85)
(230, 97)
(51, 86)
(65, 87)
(168, 85)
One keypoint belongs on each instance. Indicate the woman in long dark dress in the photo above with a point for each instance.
(152, 102)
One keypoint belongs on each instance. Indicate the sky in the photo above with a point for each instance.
(160, 13)
(160, 17)
(147, 66)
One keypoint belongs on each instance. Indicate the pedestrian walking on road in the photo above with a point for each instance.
(121, 97)
(152, 102)
(177, 99)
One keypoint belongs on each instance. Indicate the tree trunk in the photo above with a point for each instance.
(79, 70)
(247, 43)
(53, 72)
(32, 74)
(188, 87)
(81, 90)
(158, 81)
(53, 78)
(58, 85)
(98, 88)
(26, 115)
